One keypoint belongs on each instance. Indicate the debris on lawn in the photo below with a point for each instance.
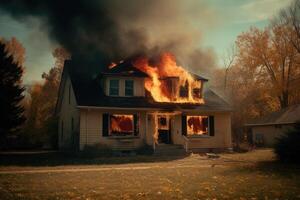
(212, 155)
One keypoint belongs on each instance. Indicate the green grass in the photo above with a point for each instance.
(254, 175)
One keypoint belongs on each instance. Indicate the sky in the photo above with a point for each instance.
(230, 18)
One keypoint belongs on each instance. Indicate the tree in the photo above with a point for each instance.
(228, 62)
(41, 121)
(16, 50)
(291, 17)
(270, 53)
(10, 94)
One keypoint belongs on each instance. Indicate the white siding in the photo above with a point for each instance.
(68, 110)
(220, 140)
(91, 129)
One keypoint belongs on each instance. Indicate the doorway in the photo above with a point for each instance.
(164, 129)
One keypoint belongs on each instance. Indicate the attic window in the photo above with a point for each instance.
(128, 87)
(114, 87)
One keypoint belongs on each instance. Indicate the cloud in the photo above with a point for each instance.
(260, 10)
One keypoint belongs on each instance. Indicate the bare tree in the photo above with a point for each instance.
(291, 17)
(228, 61)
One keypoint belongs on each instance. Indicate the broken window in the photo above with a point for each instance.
(163, 122)
(197, 125)
(121, 125)
(197, 93)
(184, 90)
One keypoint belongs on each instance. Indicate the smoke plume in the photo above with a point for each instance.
(111, 30)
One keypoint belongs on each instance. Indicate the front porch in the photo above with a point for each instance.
(131, 129)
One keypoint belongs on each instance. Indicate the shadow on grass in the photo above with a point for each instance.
(278, 168)
(42, 159)
(268, 168)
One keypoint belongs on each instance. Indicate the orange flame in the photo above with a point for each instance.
(121, 124)
(196, 125)
(169, 82)
(113, 64)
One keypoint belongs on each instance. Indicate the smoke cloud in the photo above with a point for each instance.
(111, 30)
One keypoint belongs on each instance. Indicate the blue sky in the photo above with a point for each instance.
(230, 18)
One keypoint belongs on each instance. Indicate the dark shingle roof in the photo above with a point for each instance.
(198, 77)
(124, 69)
(284, 116)
(88, 92)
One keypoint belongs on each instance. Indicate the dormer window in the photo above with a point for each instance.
(114, 87)
(129, 87)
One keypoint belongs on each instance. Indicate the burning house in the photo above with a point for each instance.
(136, 102)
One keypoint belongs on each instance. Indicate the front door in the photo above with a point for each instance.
(164, 129)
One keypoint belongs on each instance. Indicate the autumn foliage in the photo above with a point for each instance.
(262, 72)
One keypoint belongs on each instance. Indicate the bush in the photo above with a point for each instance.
(97, 150)
(287, 147)
(145, 150)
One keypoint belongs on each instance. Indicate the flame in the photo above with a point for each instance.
(113, 64)
(169, 82)
(196, 125)
(121, 124)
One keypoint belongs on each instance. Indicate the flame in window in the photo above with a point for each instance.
(121, 124)
(197, 125)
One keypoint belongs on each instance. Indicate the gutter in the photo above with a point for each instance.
(152, 109)
(269, 124)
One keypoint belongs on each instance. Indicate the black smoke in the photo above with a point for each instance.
(111, 30)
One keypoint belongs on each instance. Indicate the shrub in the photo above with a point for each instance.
(287, 147)
(145, 150)
(97, 150)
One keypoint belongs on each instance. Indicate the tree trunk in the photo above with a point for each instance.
(284, 100)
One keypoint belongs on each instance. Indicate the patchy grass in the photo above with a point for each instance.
(253, 175)
(56, 159)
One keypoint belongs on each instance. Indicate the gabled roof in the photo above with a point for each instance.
(124, 69)
(89, 93)
(288, 115)
(198, 77)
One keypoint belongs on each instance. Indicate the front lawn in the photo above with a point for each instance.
(253, 175)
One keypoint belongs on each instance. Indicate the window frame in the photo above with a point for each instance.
(121, 135)
(125, 88)
(208, 135)
(110, 87)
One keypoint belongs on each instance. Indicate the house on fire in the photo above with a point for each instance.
(113, 108)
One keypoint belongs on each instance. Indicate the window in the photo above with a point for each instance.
(163, 122)
(259, 139)
(114, 87)
(184, 90)
(197, 125)
(128, 87)
(121, 125)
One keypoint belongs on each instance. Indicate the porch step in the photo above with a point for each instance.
(169, 150)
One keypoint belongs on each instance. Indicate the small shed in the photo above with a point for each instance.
(264, 131)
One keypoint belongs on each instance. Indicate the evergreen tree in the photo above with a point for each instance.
(11, 112)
